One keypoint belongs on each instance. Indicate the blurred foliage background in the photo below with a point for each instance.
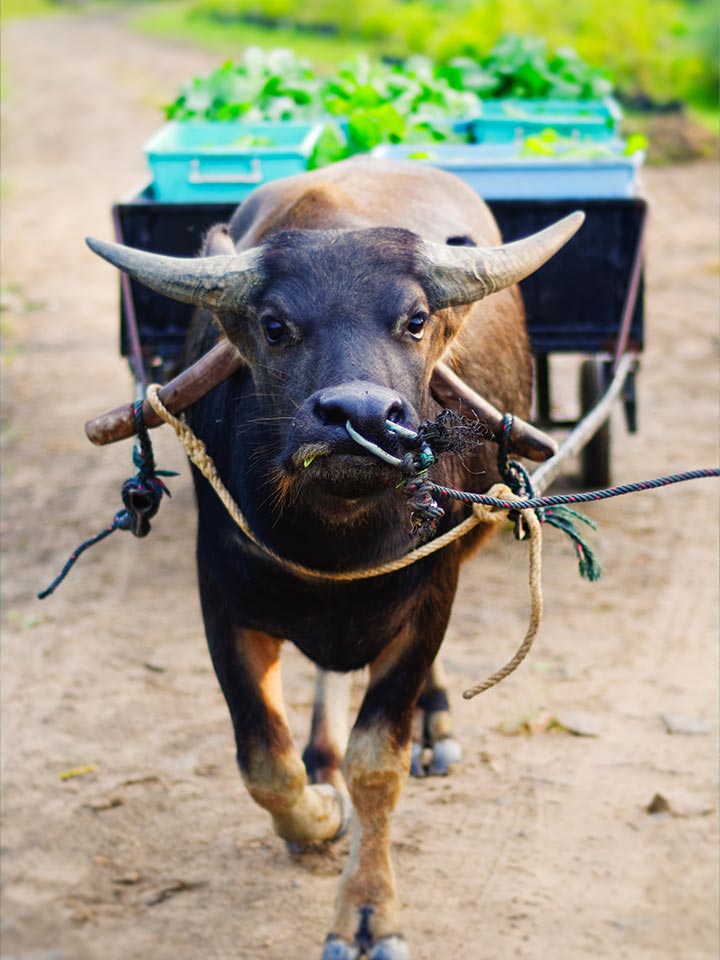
(656, 51)
(661, 55)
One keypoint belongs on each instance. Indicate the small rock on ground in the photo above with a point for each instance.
(678, 723)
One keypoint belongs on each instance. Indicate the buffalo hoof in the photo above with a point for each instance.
(337, 949)
(446, 754)
(390, 948)
(436, 761)
(298, 847)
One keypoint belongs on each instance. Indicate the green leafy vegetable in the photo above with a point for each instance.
(417, 101)
(250, 140)
(635, 143)
(520, 66)
(550, 144)
(330, 147)
(273, 85)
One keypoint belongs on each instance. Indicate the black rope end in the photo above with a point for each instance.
(141, 496)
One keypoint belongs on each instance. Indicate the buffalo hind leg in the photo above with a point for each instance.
(434, 751)
(376, 766)
(247, 663)
(329, 729)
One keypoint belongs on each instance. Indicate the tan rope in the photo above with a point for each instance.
(197, 452)
(536, 606)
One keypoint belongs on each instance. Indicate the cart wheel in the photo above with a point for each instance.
(595, 456)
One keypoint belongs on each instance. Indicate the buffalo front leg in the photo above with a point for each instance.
(247, 663)
(376, 766)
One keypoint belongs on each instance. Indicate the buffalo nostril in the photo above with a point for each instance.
(395, 412)
(331, 413)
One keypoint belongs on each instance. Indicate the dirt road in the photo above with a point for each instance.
(540, 846)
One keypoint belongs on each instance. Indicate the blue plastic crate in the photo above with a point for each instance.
(206, 161)
(496, 173)
(510, 119)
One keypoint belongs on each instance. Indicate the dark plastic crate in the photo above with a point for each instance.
(574, 303)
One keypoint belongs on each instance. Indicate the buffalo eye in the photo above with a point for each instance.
(416, 325)
(275, 329)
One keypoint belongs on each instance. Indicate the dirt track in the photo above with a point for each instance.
(540, 846)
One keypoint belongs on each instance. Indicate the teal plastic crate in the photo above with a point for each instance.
(205, 161)
(496, 172)
(510, 119)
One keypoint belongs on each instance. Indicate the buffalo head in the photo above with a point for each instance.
(337, 326)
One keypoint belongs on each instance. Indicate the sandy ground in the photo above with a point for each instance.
(540, 846)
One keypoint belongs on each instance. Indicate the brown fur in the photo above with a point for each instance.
(375, 770)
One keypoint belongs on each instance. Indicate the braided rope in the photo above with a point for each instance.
(536, 607)
(488, 499)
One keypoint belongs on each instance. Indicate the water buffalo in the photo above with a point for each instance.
(341, 289)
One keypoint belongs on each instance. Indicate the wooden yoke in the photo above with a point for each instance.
(525, 439)
(187, 388)
(223, 360)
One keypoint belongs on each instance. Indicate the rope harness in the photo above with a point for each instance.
(449, 433)
(198, 455)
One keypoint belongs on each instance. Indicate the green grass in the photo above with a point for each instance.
(171, 21)
(17, 9)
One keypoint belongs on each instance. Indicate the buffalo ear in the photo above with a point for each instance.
(463, 240)
(217, 242)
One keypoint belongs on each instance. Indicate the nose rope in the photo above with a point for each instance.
(423, 495)
(401, 431)
(373, 447)
(425, 456)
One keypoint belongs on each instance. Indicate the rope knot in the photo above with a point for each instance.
(515, 477)
(562, 517)
(488, 513)
(449, 432)
(141, 496)
(425, 511)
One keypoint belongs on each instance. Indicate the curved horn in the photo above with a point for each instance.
(220, 282)
(460, 275)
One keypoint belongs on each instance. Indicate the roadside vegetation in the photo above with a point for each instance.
(185, 20)
(657, 51)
